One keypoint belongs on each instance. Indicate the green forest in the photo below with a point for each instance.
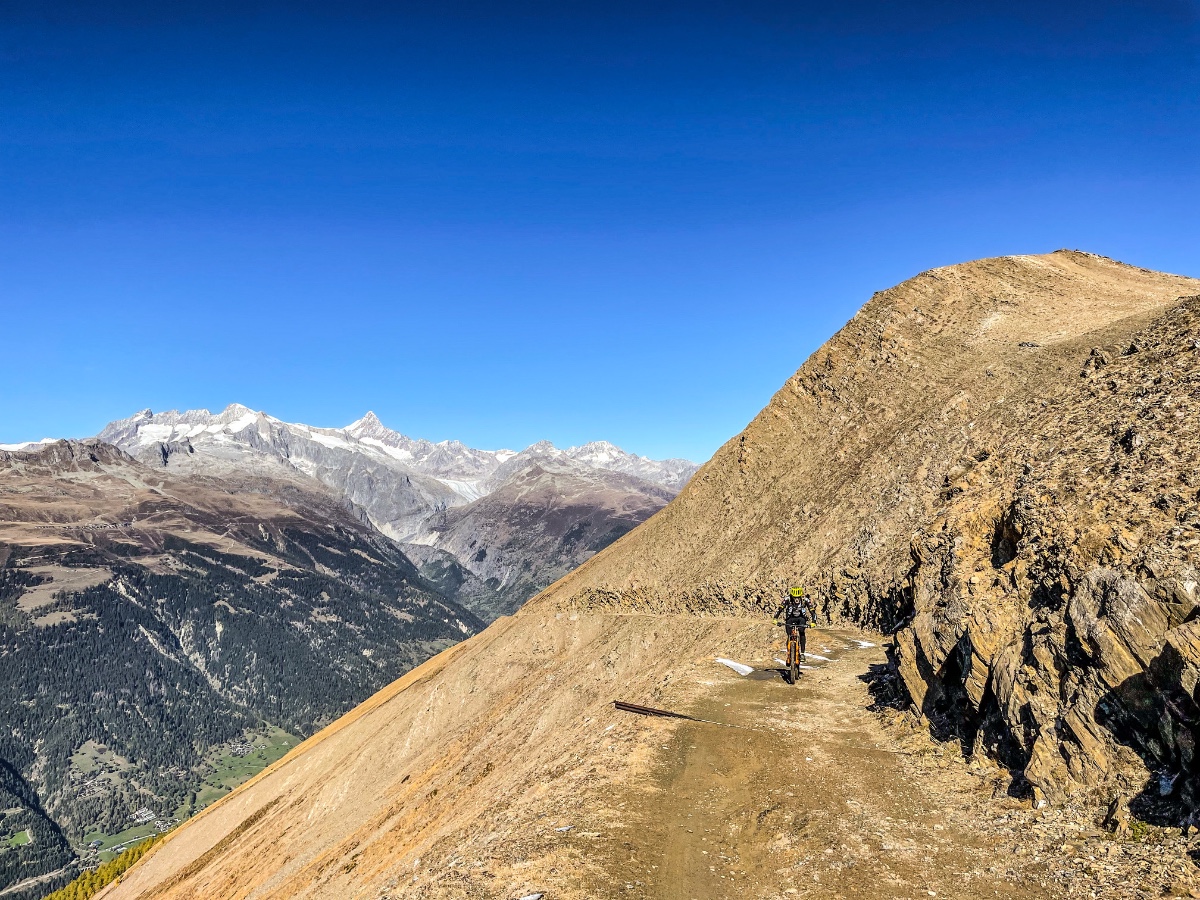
(132, 705)
(90, 883)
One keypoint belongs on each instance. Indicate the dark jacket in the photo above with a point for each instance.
(797, 611)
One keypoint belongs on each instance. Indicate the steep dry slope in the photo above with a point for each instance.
(453, 781)
(885, 475)
(500, 769)
(999, 459)
(861, 447)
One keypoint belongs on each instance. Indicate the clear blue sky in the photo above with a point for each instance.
(503, 222)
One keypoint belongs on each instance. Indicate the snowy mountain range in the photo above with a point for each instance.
(502, 516)
(26, 445)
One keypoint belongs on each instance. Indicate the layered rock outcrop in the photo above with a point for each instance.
(1053, 601)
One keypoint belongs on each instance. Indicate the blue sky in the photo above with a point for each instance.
(559, 220)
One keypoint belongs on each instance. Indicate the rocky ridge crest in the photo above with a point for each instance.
(890, 474)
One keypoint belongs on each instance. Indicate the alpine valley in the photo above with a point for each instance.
(187, 596)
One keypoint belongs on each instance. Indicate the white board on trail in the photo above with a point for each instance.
(740, 668)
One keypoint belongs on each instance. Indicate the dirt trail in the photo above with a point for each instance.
(535, 784)
(817, 800)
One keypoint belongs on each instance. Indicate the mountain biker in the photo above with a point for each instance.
(798, 612)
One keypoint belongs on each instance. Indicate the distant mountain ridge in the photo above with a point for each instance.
(587, 496)
(467, 471)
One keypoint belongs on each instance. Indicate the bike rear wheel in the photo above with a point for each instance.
(793, 656)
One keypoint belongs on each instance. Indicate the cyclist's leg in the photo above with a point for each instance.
(803, 641)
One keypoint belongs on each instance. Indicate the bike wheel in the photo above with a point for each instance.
(795, 671)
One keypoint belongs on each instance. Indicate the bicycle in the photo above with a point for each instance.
(793, 654)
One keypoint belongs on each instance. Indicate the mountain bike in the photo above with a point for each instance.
(793, 654)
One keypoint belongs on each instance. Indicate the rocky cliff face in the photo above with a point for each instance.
(1053, 599)
(996, 461)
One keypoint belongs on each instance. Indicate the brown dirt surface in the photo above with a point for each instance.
(533, 788)
(814, 799)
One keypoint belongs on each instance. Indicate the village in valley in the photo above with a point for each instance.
(98, 772)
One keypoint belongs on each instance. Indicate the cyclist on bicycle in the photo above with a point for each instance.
(798, 612)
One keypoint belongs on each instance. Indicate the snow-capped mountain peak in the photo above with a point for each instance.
(672, 473)
(369, 422)
(422, 475)
(600, 452)
(26, 445)
(544, 448)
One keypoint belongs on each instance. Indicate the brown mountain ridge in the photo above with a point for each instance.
(994, 462)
